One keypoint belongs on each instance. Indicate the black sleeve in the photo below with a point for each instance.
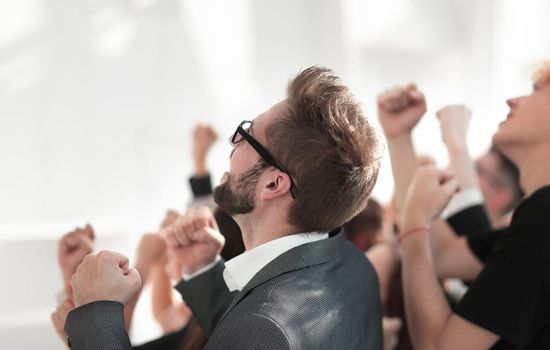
(208, 297)
(510, 297)
(482, 244)
(201, 185)
(471, 220)
(97, 325)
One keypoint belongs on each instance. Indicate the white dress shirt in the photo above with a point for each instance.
(462, 200)
(240, 270)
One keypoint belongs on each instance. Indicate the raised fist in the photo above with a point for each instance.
(400, 109)
(104, 276)
(203, 138)
(454, 121)
(429, 192)
(194, 240)
(72, 248)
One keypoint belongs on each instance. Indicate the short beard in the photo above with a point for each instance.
(238, 198)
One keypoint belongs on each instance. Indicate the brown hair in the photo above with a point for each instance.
(365, 229)
(331, 151)
(542, 74)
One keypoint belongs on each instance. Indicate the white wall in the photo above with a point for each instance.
(98, 99)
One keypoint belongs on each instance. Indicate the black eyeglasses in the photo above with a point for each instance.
(243, 133)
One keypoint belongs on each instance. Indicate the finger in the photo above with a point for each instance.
(170, 239)
(182, 237)
(89, 230)
(204, 218)
(82, 241)
(134, 278)
(450, 187)
(210, 237)
(121, 260)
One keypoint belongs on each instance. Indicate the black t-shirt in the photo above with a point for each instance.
(511, 295)
(470, 220)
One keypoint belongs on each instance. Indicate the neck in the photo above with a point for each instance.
(259, 229)
(534, 174)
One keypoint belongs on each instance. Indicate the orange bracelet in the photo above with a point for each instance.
(411, 231)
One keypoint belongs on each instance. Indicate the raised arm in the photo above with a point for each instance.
(432, 323)
(102, 285)
(194, 241)
(399, 110)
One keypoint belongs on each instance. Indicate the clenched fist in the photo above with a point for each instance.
(428, 194)
(194, 240)
(203, 138)
(104, 276)
(454, 121)
(400, 109)
(72, 249)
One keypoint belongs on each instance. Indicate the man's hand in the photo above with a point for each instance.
(400, 109)
(170, 217)
(58, 318)
(194, 240)
(428, 194)
(203, 138)
(105, 276)
(454, 121)
(72, 249)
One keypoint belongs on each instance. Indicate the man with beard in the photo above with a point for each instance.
(297, 173)
(507, 306)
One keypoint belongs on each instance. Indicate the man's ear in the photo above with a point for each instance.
(276, 185)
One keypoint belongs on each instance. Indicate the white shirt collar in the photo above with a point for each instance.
(240, 270)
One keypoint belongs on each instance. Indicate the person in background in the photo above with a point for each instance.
(507, 306)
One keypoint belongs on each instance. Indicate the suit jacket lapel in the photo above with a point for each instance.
(296, 258)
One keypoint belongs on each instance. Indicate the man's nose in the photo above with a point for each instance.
(513, 102)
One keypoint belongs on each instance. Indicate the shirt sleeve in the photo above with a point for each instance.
(201, 185)
(470, 220)
(461, 200)
(483, 244)
(510, 295)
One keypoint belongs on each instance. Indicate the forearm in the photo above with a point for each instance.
(452, 257)
(425, 304)
(161, 292)
(130, 307)
(200, 166)
(462, 165)
(403, 163)
(385, 260)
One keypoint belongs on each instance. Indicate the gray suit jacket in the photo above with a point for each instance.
(320, 295)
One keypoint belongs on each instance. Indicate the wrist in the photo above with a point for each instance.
(456, 146)
(200, 168)
(412, 220)
(396, 137)
(189, 272)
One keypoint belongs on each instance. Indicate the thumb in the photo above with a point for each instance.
(134, 278)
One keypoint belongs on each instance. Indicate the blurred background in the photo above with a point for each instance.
(98, 100)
